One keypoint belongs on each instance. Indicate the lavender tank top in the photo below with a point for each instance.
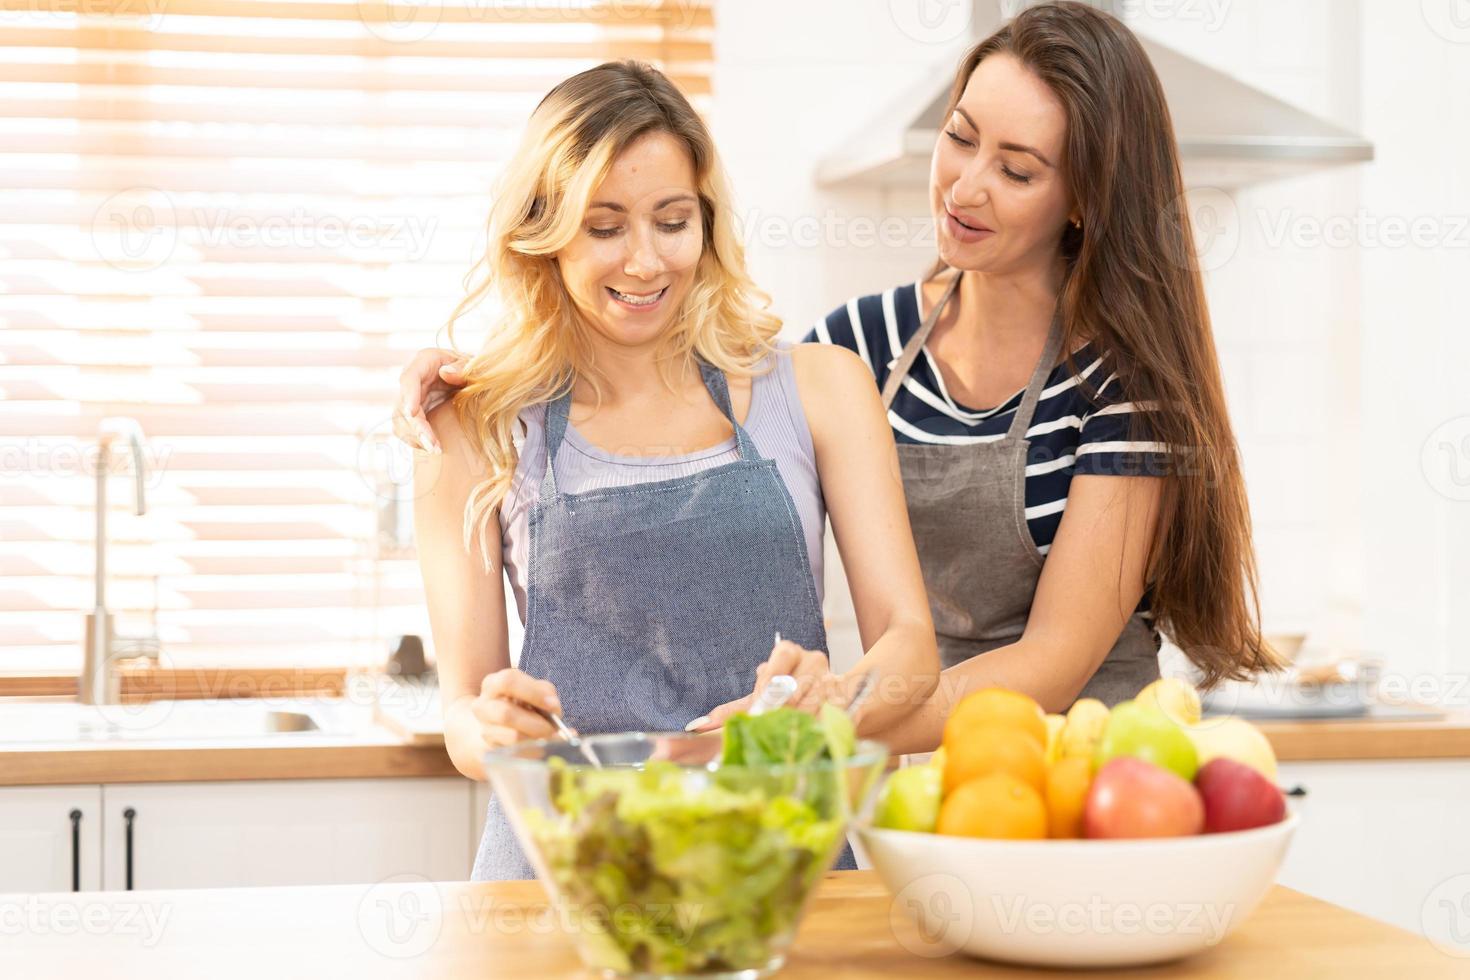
(775, 421)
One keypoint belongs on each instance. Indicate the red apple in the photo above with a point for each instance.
(1133, 798)
(1237, 796)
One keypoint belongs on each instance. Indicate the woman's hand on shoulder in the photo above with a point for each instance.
(428, 380)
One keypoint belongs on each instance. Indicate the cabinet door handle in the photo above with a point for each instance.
(128, 815)
(76, 850)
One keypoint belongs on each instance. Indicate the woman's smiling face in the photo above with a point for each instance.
(634, 258)
(997, 189)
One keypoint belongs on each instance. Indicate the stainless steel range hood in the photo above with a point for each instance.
(1230, 133)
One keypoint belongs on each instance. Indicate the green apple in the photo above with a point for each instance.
(1145, 732)
(909, 799)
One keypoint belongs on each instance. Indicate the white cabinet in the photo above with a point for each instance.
(285, 832)
(1386, 839)
(50, 838)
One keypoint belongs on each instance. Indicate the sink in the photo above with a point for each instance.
(155, 721)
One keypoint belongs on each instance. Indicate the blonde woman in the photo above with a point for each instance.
(635, 453)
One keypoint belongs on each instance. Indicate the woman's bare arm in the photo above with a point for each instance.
(1090, 586)
(466, 600)
(858, 466)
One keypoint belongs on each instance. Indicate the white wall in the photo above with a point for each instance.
(1415, 474)
(1340, 360)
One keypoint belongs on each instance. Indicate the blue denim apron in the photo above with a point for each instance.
(649, 605)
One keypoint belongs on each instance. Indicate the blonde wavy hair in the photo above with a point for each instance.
(538, 344)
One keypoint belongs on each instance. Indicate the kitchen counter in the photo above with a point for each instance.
(371, 754)
(503, 929)
(1434, 737)
(360, 741)
(388, 747)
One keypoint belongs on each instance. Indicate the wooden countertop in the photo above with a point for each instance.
(503, 929)
(370, 755)
(1446, 737)
(382, 750)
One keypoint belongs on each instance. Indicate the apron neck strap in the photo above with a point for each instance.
(1027, 409)
(719, 389)
(910, 353)
(558, 410)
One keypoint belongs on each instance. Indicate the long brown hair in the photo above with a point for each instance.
(1133, 289)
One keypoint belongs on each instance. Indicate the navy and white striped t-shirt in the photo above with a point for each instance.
(1070, 434)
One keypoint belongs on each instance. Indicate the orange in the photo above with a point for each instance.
(998, 805)
(996, 706)
(990, 748)
(1067, 782)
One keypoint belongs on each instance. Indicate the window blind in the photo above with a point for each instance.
(233, 221)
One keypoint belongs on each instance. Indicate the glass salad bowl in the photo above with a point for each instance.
(673, 855)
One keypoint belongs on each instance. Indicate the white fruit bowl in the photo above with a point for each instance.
(1076, 903)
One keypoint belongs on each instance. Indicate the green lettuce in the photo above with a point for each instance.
(683, 870)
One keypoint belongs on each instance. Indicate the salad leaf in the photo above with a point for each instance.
(784, 736)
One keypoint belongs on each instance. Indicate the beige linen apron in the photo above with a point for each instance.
(967, 505)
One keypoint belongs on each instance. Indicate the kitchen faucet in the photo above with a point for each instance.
(98, 684)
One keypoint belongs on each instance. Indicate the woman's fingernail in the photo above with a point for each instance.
(552, 704)
(697, 723)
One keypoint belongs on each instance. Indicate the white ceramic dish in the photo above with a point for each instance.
(1082, 903)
